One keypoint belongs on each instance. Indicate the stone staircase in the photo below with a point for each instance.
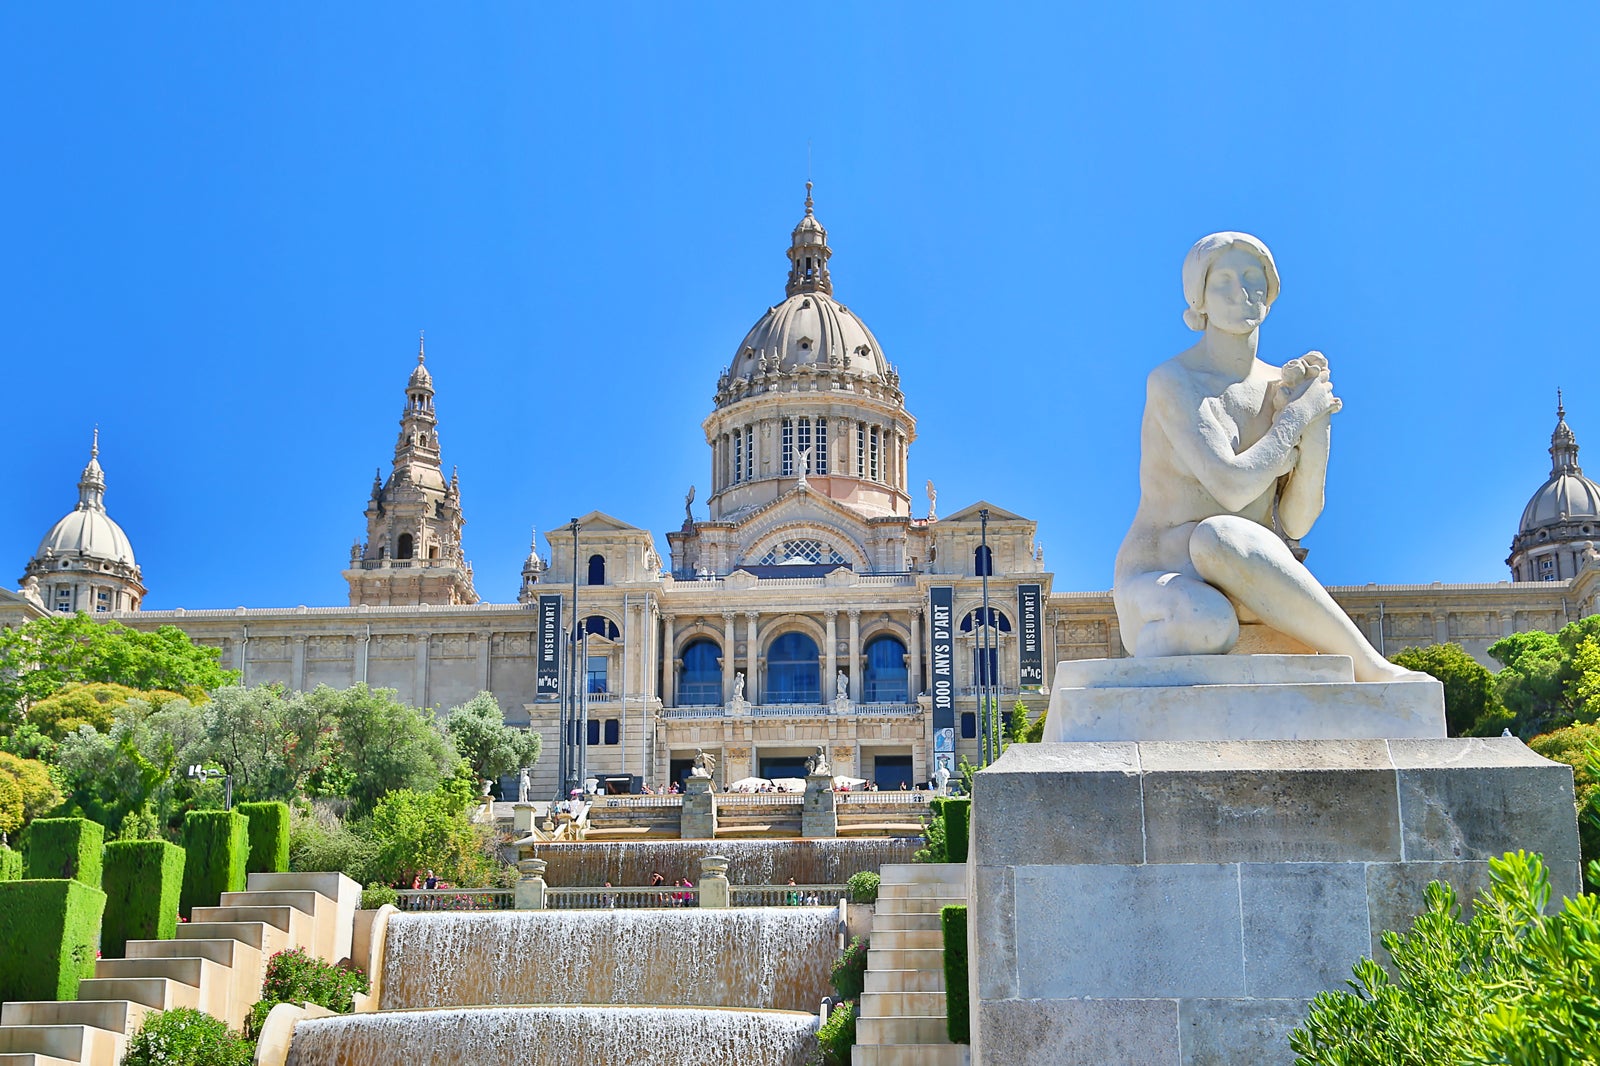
(902, 1019)
(216, 965)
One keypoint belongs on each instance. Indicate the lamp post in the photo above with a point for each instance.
(985, 727)
(201, 773)
(572, 725)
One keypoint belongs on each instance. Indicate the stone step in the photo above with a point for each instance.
(924, 1030)
(910, 1055)
(75, 1043)
(905, 873)
(921, 889)
(259, 935)
(902, 1004)
(890, 920)
(221, 951)
(30, 1059)
(244, 963)
(889, 939)
(118, 1015)
(214, 982)
(905, 959)
(287, 919)
(300, 899)
(918, 904)
(905, 980)
(155, 993)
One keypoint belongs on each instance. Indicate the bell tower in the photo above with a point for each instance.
(412, 554)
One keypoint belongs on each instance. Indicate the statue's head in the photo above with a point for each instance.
(1230, 281)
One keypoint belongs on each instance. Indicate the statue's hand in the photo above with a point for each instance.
(1316, 399)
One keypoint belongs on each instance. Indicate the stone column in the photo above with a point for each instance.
(831, 669)
(530, 885)
(420, 696)
(751, 690)
(914, 667)
(729, 662)
(485, 640)
(363, 652)
(668, 656)
(714, 882)
(855, 655)
(299, 666)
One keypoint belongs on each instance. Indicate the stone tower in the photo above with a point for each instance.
(1556, 537)
(85, 562)
(412, 553)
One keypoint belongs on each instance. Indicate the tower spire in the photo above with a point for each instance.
(808, 254)
(1563, 443)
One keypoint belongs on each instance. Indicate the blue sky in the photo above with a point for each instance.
(225, 225)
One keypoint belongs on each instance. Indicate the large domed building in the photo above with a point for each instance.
(85, 562)
(804, 605)
(1556, 538)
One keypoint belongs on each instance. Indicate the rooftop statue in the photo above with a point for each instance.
(1233, 457)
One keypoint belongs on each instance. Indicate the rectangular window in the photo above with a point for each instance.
(861, 449)
(750, 453)
(803, 441)
(873, 457)
(820, 464)
(787, 469)
(738, 457)
(594, 731)
(969, 725)
(613, 731)
(597, 675)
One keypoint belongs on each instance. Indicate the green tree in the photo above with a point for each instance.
(1532, 683)
(380, 745)
(36, 789)
(1471, 703)
(41, 657)
(1017, 732)
(97, 704)
(275, 744)
(134, 767)
(1586, 678)
(420, 831)
(1579, 747)
(491, 748)
(1512, 986)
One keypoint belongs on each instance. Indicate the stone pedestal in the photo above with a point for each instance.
(1224, 697)
(818, 815)
(714, 882)
(522, 817)
(1158, 904)
(699, 817)
(530, 885)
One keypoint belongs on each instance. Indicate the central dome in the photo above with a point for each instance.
(87, 533)
(809, 329)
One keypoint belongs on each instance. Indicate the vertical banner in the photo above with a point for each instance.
(941, 644)
(1030, 642)
(549, 648)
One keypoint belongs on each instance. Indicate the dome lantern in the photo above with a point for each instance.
(808, 255)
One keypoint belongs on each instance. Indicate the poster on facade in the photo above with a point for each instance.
(941, 632)
(1030, 639)
(549, 647)
(944, 741)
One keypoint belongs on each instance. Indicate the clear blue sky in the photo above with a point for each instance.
(224, 225)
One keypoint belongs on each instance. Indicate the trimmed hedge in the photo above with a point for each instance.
(65, 848)
(216, 846)
(49, 932)
(269, 837)
(957, 814)
(953, 919)
(143, 884)
(10, 864)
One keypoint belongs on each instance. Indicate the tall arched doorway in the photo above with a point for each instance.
(793, 672)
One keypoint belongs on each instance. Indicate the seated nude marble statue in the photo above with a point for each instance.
(1233, 457)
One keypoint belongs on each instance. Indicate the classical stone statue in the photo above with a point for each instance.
(803, 463)
(688, 505)
(933, 501)
(738, 687)
(1231, 447)
(524, 785)
(30, 591)
(841, 687)
(818, 763)
(705, 763)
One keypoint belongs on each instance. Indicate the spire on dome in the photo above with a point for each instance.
(808, 254)
(92, 485)
(1563, 443)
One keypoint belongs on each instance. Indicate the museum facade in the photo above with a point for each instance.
(809, 607)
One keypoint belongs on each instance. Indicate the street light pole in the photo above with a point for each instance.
(575, 679)
(985, 654)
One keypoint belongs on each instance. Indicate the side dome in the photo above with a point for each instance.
(809, 329)
(1566, 496)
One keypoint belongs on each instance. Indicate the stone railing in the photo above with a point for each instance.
(870, 798)
(455, 899)
(700, 711)
(758, 799)
(671, 800)
(885, 710)
(797, 710)
(787, 895)
(627, 897)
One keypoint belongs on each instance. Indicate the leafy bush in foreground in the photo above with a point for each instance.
(186, 1037)
(863, 886)
(1513, 985)
(295, 977)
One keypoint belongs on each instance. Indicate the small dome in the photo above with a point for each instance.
(1567, 495)
(89, 534)
(809, 329)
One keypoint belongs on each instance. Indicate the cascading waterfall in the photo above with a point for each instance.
(574, 988)
(775, 958)
(557, 1036)
(590, 864)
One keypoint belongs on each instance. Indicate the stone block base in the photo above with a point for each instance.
(1231, 697)
(1158, 904)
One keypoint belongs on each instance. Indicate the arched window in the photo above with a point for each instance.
(996, 619)
(982, 561)
(600, 625)
(597, 569)
(885, 680)
(793, 673)
(402, 547)
(700, 684)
